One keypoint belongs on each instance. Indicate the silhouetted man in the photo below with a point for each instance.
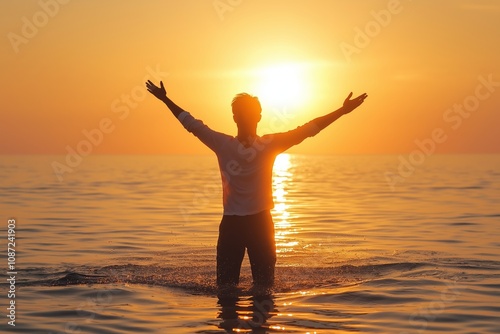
(246, 164)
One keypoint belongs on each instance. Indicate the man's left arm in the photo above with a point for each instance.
(161, 94)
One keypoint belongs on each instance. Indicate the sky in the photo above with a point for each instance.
(73, 73)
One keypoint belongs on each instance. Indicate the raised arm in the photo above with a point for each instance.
(284, 140)
(161, 94)
(348, 106)
(212, 139)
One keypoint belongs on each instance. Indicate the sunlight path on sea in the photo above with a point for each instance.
(284, 228)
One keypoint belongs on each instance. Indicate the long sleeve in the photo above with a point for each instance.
(284, 140)
(212, 139)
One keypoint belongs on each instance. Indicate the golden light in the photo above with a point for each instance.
(282, 85)
(281, 165)
(281, 175)
(283, 227)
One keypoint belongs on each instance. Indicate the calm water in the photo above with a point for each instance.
(127, 245)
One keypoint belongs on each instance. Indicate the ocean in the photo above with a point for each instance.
(126, 244)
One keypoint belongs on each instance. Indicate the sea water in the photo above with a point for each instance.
(126, 244)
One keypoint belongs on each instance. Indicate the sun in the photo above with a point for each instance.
(282, 85)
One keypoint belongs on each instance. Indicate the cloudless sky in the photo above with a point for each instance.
(70, 68)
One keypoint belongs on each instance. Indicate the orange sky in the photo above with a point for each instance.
(76, 67)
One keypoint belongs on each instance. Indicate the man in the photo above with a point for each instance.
(246, 163)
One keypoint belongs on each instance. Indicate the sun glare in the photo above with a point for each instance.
(284, 229)
(282, 85)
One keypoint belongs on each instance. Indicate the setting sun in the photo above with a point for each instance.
(282, 85)
(213, 167)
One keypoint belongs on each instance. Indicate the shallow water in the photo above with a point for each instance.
(127, 245)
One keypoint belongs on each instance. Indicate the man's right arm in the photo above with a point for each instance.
(285, 140)
(348, 106)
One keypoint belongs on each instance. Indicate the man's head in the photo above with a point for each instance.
(246, 110)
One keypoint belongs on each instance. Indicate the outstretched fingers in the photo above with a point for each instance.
(356, 101)
(350, 105)
(362, 97)
(149, 85)
(159, 92)
(152, 87)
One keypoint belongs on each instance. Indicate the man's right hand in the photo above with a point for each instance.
(159, 92)
(350, 105)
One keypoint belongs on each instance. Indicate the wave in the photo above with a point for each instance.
(201, 279)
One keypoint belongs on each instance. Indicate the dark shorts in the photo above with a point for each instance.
(255, 233)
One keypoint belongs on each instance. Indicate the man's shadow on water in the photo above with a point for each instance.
(245, 313)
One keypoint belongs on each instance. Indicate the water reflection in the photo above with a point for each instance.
(246, 315)
(282, 176)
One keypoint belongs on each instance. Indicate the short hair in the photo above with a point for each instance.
(246, 103)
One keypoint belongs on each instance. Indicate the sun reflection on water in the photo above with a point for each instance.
(283, 227)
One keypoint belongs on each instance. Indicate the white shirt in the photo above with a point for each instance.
(246, 172)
